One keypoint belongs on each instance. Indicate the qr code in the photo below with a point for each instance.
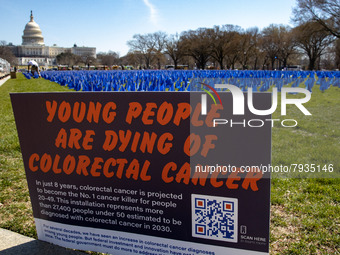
(214, 217)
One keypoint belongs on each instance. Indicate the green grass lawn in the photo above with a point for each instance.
(305, 213)
(15, 206)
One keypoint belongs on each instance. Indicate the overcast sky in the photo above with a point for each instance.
(109, 24)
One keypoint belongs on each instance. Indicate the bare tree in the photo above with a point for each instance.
(69, 59)
(174, 47)
(312, 39)
(264, 59)
(134, 58)
(197, 45)
(144, 45)
(222, 42)
(160, 43)
(255, 50)
(337, 53)
(278, 43)
(89, 61)
(270, 43)
(328, 60)
(287, 44)
(108, 59)
(6, 53)
(248, 44)
(235, 50)
(325, 12)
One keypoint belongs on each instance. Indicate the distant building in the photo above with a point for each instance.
(33, 47)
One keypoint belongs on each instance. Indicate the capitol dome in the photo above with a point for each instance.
(32, 33)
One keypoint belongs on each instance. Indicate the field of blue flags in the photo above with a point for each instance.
(188, 80)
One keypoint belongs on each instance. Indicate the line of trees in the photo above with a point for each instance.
(69, 59)
(107, 59)
(229, 46)
(314, 42)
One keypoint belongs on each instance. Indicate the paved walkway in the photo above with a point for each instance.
(2, 81)
(15, 244)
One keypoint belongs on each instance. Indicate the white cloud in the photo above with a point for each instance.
(153, 12)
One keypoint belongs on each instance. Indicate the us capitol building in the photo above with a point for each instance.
(33, 47)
